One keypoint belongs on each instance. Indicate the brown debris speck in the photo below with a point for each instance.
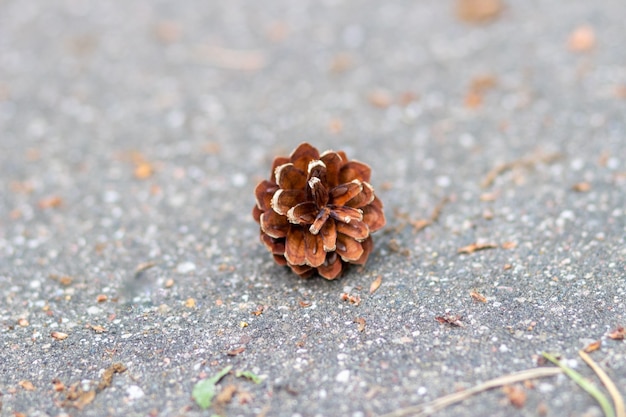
(582, 39)
(97, 328)
(22, 322)
(224, 397)
(380, 98)
(341, 62)
(618, 334)
(235, 352)
(581, 187)
(107, 376)
(169, 283)
(26, 384)
(50, 202)
(259, 310)
(59, 335)
(478, 11)
(591, 347)
(509, 245)
(190, 303)
(476, 247)
(360, 321)
(352, 299)
(101, 298)
(305, 304)
(516, 395)
(478, 296)
(376, 284)
(453, 320)
(57, 385)
(168, 31)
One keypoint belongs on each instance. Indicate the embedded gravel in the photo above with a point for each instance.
(133, 134)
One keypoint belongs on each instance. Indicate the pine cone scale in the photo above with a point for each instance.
(316, 213)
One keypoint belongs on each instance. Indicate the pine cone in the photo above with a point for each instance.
(317, 212)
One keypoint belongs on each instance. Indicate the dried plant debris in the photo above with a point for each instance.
(618, 334)
(352, 299)
(478, 11)
(434, 216)
(453, 320)
(587, 385)
(317, 212)
(515, 394)
(476, 247)
(376, 284)
(618, 400)
(478, 296)
(582, 39)
(431, 407)
(236, 351)
(581, 187)
(526, 162)
(593, 346)
(360, 321)
(77, 397)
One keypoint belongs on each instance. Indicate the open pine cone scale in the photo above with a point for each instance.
(317, 212)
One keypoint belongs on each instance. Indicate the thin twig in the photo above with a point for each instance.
(447, 400)
(591, 389)
(528, 161)
(618, 400)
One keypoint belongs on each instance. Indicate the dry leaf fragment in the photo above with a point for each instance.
(376, 284)
(582, 39)
(352, 299)
(58, 385)
(235, 352)
(50, 202)
(581, 187)
(478, 296)
(476, 247)
(167, 31)
(107, 376)
(85, 398)
(26, 384)
(380, 98)
(591, 347)
(97, 328)
(451, 319)
(304, 304)
(618, 334)
(59, 335)
(516, 395)
(478, 11)
(225, 396)
(143, 171)
(259, 310)
(361, 323)
(509, 245)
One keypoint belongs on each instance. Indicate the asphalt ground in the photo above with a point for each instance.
(132, 135)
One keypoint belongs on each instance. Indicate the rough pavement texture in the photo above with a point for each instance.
(134, 132)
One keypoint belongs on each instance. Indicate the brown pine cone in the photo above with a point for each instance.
(317, 212)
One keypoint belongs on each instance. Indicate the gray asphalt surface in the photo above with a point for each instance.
(134, 132)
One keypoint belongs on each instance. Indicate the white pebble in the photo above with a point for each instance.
(343, 376)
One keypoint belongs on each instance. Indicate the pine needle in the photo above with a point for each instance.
(447, 400)
(591, 389)
(618, 400)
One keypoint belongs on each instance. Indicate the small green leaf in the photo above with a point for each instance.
(204, 391)
(251, 376)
